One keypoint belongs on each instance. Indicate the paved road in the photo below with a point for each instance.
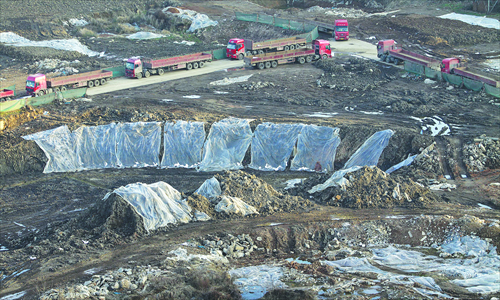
(122, 83)
(351, 46)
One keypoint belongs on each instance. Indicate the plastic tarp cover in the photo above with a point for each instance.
(12, 105)
(337, 179)
(473, 84)
(41, 100)
(59, 147)
(183, 142)
(138, 144)
(316, 144)
(95, 146)
(235, 205)
(414, 68)
(369, 153)
(430, 73)
(491, 90)
(210, 189)
(159, 204)
(226, 145)
(453, 79)
(404, 163)
(219, 54)
(272, 145)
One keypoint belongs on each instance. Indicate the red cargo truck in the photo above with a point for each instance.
(239, 48)
(388, 51)
(137, 68)
(341, 30)
(38, 84)
(454, 66)
(6, 95)
(321, 50)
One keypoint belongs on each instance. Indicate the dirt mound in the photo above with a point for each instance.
(351, 74)
(256, 192)
(481, 155)
(370, 188)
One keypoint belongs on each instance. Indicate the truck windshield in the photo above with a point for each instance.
(231, 46)
(341, 29)
(30, 84)
(129, 66)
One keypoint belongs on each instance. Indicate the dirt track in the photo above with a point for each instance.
(358, 96)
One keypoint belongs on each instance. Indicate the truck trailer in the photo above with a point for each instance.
(137, 68)
(320, 50)
(239, 48)
(6, 95)
(388, 51)
(39, 84)
(454, 66)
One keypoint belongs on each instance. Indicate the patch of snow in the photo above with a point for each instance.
(372, 112)
(484, 206)
(320, 115)
(228, 81)
(12, 39)
(19, 224)
(192, 96)
(188, 43)
(254, 281)
(77, 22)
(220, 92)
(14, 296)
(144, 35)
(292, 182)
(473, 20)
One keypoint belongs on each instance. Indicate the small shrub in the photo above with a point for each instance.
(86, 33)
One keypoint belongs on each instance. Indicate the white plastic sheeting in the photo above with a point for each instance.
(59, 147)
(369, 153)
(272, 145)
(95, 146)
(197, 20)
(183, 143)
(473, 20)
(210, 189)
(159, 204)
(226, 145)
(316, 144)
(235, 205)
(138, 144)
(254, 281)
(404, 163)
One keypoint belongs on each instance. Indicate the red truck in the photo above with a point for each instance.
(137, 68)
(6, 95)
(389, 52)
(454, 66)
(38, 84)
(239, 48)
(321, 50)
(341, 30)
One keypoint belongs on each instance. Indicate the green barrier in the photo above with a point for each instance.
(414, 68)
(117, 71)
(433, 74)
(453, 79)
(6, 106)
(41, 100)
(310, 36)
(265, 19)
(473, 84)
(491, 90)
(282, 23)
(219, 54)
(246, 17)
(75, 93)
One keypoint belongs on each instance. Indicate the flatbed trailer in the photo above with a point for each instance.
(239, 48)
(470, 73)
(6, 95)
(388, 51)
(272, 60)
(137, 68)
(39, 84)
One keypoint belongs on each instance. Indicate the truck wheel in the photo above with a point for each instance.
(302, 60)
(90, 84)
(297, 46)
(240, 56)
(309, 59)
(195, 65)
(261, 51)
(202, 64)
(63, 88)
(249, 53)
(287, 48)
(161, 72)
(50, 91)
(40, 93)
(254, 52)
(138, 75)
(324, 56)
(292, 47)
(189, 66)
(147, 74)
(268, 64)
(383, 57)
(261, 66)
(57, 89)
(97, 82)
(274, 64)
(103, 81)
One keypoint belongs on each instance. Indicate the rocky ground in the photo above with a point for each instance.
(65, 243)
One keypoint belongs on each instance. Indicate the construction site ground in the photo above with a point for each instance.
(352, 91)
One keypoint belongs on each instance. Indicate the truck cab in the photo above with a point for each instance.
(322, 48)
(235, 49)
(341, 31)
(448, 64)
(133, 67)
(384, 46)
(35, 83)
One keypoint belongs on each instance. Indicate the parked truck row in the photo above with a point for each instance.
(388, 51)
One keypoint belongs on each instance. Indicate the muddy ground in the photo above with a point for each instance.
(41, 215)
